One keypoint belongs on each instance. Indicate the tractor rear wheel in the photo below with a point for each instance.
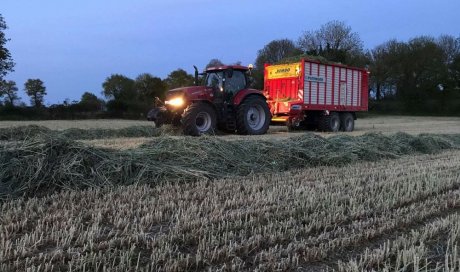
(253, 116)
(330, 123)
(347, 122)
(198, 119)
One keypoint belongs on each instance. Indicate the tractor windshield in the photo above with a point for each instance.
(214, 79)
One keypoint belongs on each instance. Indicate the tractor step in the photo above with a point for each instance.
(230, 123)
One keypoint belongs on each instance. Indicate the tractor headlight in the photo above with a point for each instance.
(175, 102)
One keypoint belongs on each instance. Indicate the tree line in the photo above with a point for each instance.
(124, 97)
(419, 76)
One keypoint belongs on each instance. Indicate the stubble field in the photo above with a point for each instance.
(112, 198)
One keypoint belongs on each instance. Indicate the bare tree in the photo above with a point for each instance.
(214, 63)
(450, 47)
(334, 41)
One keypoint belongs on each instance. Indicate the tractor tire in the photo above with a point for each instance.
(253, 116)
(176, 121)
(347, 122)
(330, 123)
(198, 119)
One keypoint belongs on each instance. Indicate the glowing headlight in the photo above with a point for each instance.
(175, 102)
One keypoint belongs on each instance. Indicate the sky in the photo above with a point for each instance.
(73, 46)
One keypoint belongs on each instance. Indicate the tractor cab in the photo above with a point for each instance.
(226, 81)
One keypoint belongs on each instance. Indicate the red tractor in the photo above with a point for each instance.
(223, 101)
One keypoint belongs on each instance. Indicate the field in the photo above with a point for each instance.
(385, 125)
(382, 198)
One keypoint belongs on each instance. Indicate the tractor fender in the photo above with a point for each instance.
(241, 95)
(204, 101)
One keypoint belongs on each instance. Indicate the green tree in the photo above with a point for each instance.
(6, 62)
(416, 69)
(90, 102)
(179, 78)
(336, 42)
(119, 87)
(385, 67)
(36, 89)
(455, 71)
(9, 91)
(148, 87)
(273, 52)
(423, 70)
(378, 70)
(451, 50)
(214, 63)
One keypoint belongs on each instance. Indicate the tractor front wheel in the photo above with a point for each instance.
(198, 119)
(253, 116)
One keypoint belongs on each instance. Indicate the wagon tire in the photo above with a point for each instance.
(330, 123)
(347, 122)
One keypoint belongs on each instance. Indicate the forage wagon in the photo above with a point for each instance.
(315, 94)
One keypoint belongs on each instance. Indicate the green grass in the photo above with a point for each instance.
(43, 165)
(19, 133)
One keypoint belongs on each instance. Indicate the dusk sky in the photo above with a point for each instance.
(73, 46)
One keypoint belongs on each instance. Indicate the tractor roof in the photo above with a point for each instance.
(225, 67)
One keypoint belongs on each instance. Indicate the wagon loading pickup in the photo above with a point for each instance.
(312, 94)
